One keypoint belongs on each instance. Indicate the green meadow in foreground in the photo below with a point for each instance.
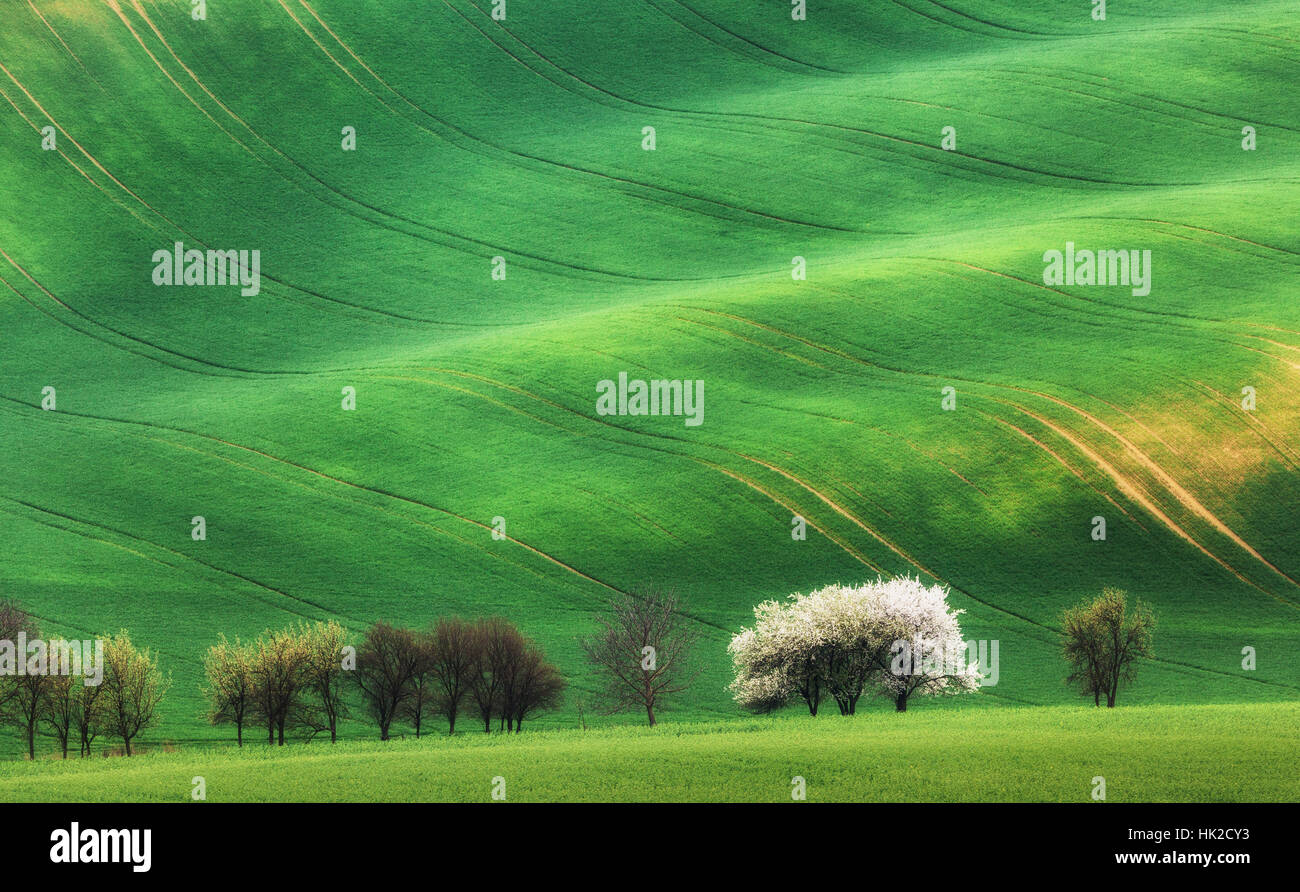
(1218, 754)
(476, 397)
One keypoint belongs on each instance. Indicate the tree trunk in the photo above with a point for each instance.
(900, 703)
(1110, 700)
(31, 741)
(127, 742)
(451, 721)
(1096, 698)
(650, 713)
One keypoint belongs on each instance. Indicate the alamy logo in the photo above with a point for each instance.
(654, 397)
(922, 657)
(1099, 268)
(77, 846)
(57, 657)
(194, 267)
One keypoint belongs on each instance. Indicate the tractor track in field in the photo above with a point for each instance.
(1235, 238)
(343, 482)
(194, 239)
(248, 579)
(991, 24)
(449, 238)
(63, 43)
(523, 160)
(1175, 490)
(758, 46)
(772, 496)
(1054, 73)
(734, 50)
(928, 149)
(1020, 431)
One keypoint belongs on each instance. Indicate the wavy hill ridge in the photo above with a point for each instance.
(476, 398)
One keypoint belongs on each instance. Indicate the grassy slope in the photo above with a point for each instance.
(1025, 754)
(476, 397)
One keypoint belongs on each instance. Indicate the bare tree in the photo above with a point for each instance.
(87, 714)
(385, 662)
(454, 657)
(27, 703)
(22, 694)
(17, 698)
(496, 646)
(536, 685)
(133, 688)
(423, 685)
(643, 649)
(509, 661)
(61, 708)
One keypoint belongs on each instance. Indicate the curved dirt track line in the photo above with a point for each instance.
(97, 337)
(1110, 84)
(349, 199)
(127, 336)
(1176, 490)
(62, 154)
(1020, 431)
(1181, 495)
(1261, 430)
(189, 235)
(794, 510)
(841, 510)
(91, 158)
(456, 238)
(1136, 494)
(1235, 238)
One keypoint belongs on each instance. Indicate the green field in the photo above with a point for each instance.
(1032, 754)
(775, 139)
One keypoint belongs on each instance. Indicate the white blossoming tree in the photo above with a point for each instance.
(927, 653)
(898, 636)
(774, 661)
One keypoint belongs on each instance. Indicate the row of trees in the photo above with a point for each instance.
(895, 637)
(123, 703)
(305, 678)
(288, 680)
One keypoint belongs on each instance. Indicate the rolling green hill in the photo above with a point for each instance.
(476, 397)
